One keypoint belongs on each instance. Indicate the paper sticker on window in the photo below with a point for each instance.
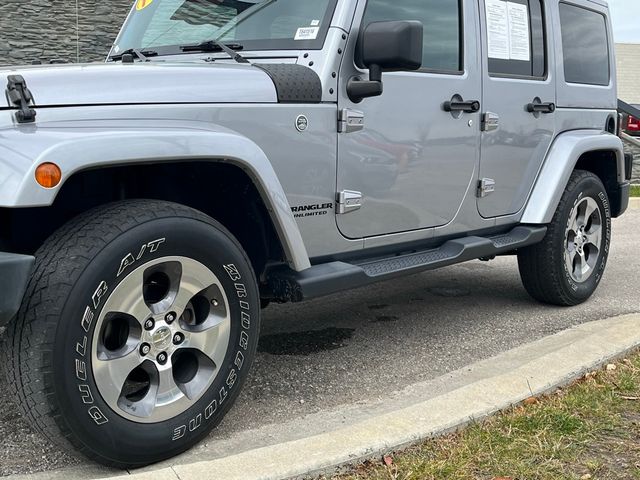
(142, 4)
(315, 23)
(508, 34)
(497, 29)
(518, 32)
(307, 33)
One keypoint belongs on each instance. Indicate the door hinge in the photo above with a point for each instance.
(20, 96)
(486, 186)
(348, 201)
(350, 121)
(490, 122)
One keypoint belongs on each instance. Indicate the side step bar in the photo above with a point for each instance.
(327, 278)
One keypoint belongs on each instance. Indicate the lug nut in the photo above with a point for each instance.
(149, 324)
(145, 348)
(178, 338)
(162, 358)
(214, 302)
(170, 317)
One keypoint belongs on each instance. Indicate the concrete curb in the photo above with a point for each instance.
(493, 385)
(634, 203)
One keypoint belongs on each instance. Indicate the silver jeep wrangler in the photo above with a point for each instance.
(232, 153)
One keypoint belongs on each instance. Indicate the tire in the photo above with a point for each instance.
(83, 323)
(564, 269)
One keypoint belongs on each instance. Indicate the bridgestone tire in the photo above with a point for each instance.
(47, 355)
(543, 268)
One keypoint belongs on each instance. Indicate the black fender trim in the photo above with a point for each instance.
(294, 83)
(620, 199)
(15, 271)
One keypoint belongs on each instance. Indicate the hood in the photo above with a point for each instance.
(145, 83)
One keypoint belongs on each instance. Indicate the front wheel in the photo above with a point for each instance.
(567, 266)
(137, 332)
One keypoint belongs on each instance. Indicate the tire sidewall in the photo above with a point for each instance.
(591, 187)
(104, 432)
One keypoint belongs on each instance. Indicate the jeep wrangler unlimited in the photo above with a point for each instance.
(230, 153)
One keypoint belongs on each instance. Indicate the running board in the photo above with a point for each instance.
(327, 278)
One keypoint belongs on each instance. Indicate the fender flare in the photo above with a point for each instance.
(116, 146)
(561, 161)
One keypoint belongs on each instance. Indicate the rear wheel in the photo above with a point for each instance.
(137, 332)
(567, 266)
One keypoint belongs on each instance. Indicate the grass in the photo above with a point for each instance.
(591, 430)
(635, 190)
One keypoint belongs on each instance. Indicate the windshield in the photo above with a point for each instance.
(164, 25)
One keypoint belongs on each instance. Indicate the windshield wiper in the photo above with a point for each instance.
(141, 54)
(216, 46)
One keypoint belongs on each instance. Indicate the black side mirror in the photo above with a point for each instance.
(388, 47)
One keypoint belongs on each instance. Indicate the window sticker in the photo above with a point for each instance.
(142, 4)
(508, 35)
(315, 23)
(497, 29)
(518, 32)
(307, 33)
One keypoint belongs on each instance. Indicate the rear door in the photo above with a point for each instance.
(413, 162)
(519, 96)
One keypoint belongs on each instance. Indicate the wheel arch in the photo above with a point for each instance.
(173, 165)
(594, 151)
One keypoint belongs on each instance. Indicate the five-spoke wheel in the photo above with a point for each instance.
(162, 336)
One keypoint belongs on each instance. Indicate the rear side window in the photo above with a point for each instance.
(515, 38)
(584, 45)
(442, 32)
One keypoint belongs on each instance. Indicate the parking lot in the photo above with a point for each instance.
(366, 345)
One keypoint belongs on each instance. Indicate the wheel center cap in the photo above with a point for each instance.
(161, 338)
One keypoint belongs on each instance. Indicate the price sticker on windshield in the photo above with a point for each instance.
(307, 33)
(142, 4)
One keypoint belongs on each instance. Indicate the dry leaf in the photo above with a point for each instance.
(388, 461)
(531, 401)
(611, 367)
(626, 397)
(586, 476)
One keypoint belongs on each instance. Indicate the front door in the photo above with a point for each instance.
(414, 162)
(519, 96)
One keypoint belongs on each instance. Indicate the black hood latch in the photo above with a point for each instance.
(20, 96)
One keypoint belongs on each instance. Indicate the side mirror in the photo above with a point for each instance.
(389, 47)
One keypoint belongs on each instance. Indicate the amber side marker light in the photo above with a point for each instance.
(48, 175)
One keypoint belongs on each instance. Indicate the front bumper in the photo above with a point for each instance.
(15, 271)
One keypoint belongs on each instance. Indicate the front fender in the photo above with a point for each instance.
(76, 147)
(561, 160)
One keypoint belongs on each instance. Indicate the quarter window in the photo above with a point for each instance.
(442, 32)
(584, 45)
(515, 37)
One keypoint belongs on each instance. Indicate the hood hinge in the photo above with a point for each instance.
(19, 95)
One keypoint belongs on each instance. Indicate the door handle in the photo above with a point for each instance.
(461, 106)
(538, 107)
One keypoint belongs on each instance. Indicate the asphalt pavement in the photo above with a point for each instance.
(366, 345)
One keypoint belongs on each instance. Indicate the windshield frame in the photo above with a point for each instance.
(247, 45)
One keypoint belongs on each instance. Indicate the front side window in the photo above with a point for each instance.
(164, 25)
(442, 32)
(584, 45)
